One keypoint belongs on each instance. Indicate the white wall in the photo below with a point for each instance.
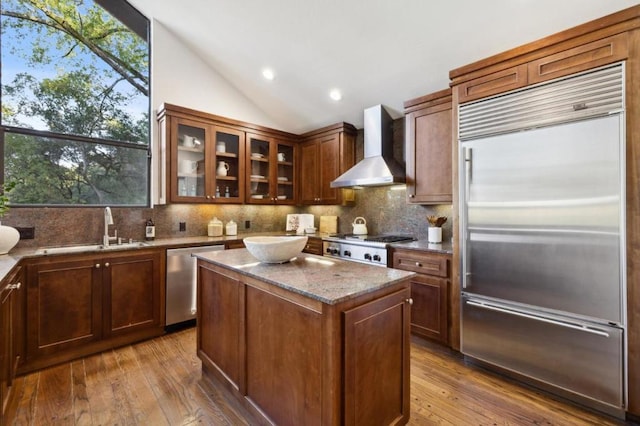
(180, 77)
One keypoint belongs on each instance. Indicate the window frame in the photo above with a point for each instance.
(140, 25)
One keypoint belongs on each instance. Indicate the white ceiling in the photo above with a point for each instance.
(374, 51)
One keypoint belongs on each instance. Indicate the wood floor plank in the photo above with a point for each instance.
(81, 404)
(184, 370)
(159, 382)
(54, 407)
(26, 399)
(144, 404)
(101, 399)
(167, 390)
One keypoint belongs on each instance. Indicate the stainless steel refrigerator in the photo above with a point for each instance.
(542, 235)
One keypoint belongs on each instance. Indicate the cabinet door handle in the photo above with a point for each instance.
(15, 286)
(409, 301)
(106, 265)
(97, 265)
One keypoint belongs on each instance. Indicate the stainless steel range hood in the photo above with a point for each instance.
(378, 166)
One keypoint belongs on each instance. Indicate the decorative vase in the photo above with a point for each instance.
(435, 234)
(9, 237)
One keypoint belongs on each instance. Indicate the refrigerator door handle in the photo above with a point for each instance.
(466, 261)
(572, 325)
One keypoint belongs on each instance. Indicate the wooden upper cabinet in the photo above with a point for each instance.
(208, 159)
(428, 148)
(582, 48)
(492, 84)
(270, 170)
(324, 155)
(581, 58)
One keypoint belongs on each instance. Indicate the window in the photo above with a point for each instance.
(75, 102)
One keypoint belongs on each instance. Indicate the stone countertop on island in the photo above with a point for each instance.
(327, 280)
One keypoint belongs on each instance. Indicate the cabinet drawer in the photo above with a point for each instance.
(492, 84)
(421, 262)
(581, 58)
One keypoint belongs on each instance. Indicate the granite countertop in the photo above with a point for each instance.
(329, 281)
(424, 245)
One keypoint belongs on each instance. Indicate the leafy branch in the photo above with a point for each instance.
(4, 197)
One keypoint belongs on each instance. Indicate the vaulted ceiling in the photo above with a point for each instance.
(373, 51)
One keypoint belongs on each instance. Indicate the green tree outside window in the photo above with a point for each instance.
(75, 102)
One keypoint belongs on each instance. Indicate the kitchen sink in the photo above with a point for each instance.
(90, 248)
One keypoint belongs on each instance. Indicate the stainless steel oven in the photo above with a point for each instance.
(361, 248)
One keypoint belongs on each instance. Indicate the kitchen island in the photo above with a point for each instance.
(314, 341)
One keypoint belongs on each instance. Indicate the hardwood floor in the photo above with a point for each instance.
(158, 382)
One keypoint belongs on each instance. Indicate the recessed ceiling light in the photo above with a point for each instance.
(268, 74)
(335, 94)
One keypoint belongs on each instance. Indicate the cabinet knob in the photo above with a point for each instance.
(97, 265)
(106, 265)
(409, 301)
(412, 195)
(208, 197)
(418, 264)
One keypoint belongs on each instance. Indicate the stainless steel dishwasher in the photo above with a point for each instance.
(181, 283)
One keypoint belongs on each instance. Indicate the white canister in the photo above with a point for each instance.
(435, 234)
(214, 229)
(221, 146)
(231, 228)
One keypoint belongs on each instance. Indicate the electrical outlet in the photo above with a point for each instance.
(183, 226)
(28, 233)
(247, 224)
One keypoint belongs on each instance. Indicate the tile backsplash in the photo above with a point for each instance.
(385, 211)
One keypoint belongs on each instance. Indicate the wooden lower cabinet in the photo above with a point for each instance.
(314, 246)
(233, 244)
(292, 360)
(131, 295)
(376, 366)
(9, 327)
(429, 291)
(219, 316)
(83, 304)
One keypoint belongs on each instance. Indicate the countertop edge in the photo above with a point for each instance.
(402, 275)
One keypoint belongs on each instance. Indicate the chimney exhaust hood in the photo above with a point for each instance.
(378, 167)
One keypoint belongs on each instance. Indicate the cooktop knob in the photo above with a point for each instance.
(347, 253)
(376, 257)
(367, 256)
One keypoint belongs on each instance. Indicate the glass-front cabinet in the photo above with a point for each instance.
(229, 165)
(206, 163)
(270, 170)
(189, 160)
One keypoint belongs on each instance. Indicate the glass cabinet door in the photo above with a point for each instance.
(228, 165)
(190, 160)
(259, 170)
(285, 160)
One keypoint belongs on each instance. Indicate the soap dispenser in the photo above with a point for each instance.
(232, 228)
(214, 229)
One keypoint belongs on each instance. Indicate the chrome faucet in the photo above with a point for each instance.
(108, 220)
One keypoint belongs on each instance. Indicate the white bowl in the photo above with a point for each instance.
(275, 249)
